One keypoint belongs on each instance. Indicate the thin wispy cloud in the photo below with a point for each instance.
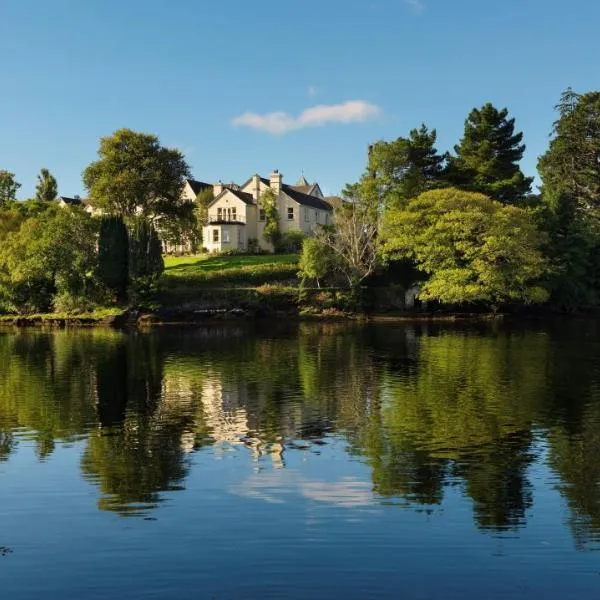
(417, 6)
(278, 123)
(312, 91)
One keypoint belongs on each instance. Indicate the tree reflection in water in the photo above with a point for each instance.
(425, 407)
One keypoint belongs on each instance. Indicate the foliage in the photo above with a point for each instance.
(487, 157)
(113, 256)
(473, 248)
(271, 232)
(136, 176)
(291, 241)
(571, 165)
(8, 188)
(46, 189)
(352, 239)
(145, 259)
(316, 261)
(203, 200)
(51, 255)
(404, 168)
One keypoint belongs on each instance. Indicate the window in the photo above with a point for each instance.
(226, 237)
(261, 215)
(219, 214)
(290, 213)
(306, 214)
(215, 235)
(316, 217)
(234, 214)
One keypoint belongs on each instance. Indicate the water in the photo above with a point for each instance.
(301, 461)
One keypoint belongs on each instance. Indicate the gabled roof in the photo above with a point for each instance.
(71, 201)
(243, 196)
(304, 189)
(305, 199)
(302, 181)
(198, 186)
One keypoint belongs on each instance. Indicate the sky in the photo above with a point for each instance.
(247, 86)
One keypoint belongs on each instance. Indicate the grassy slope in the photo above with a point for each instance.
(189, 278)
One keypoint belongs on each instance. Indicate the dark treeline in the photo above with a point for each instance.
(460, 228)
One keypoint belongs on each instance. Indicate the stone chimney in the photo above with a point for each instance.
(217, 188)
(256, 187)
(275, 182)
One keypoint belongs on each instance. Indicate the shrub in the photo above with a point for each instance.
(291, 241)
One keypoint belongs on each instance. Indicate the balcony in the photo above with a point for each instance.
(225, 219)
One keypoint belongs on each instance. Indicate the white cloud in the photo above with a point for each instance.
(417, 6)
(312, 91)
(353, 111)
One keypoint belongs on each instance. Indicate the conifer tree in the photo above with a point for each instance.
(487, 157)
(46, 189)
(113, 256)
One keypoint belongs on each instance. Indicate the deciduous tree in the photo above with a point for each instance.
(137, 176)
(472, 248)
(8, 188)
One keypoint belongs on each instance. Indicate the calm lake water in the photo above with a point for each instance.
(301, 461)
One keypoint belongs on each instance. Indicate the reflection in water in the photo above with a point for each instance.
(428, 409)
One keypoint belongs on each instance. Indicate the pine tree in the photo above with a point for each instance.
(487, 157)
(404, 168)
(113, 256)
(46, 189)
(572, 164)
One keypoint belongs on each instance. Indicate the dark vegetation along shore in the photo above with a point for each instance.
(421, 234)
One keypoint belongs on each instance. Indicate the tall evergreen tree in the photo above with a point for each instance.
(46, 189)
(113, 256)
(487, 157)
(572, 163)
(570, 173)
(145, 257)
(404, 168)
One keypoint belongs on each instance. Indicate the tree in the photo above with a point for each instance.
(8, 188)
(145, 258)
(570, 173)
(46, 189)
(271, 233)
(405, 167)
(113, 256)
(136, 176)
(473, 248)
(203, 199)
(50, 262)
(353, 237)
(487, 157)
(571, 164)
(316, 260)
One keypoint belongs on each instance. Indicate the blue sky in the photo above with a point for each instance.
(207, 76)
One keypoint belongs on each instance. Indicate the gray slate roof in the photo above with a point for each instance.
(305, 199)
(198, 186)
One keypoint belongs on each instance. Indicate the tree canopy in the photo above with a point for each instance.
(487, 157)
(8, 188)
(136, 176)
(405, 167)
(472, 248)
(46, 189)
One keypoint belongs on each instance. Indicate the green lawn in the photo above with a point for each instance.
(184, 276)
(199, 265)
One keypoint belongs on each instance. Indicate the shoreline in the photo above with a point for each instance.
(132, 319)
